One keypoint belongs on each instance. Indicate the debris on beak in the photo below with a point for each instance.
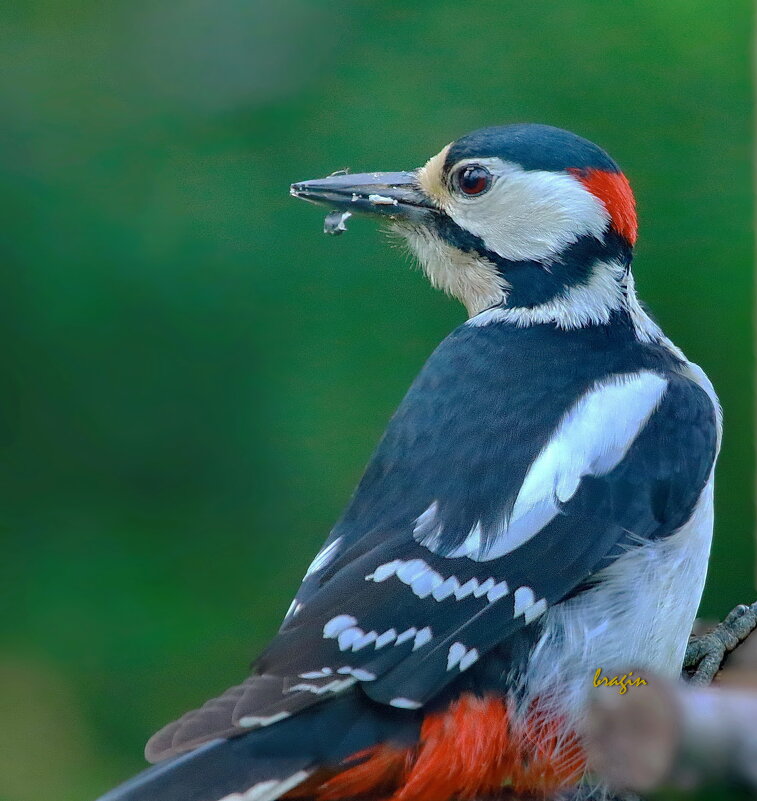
(382, 200)
(335, 222)
(395, 195)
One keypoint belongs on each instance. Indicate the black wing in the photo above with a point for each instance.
(392, 607)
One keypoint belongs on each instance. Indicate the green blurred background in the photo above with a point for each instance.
(193, 376)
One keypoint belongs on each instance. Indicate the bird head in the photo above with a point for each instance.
(519, 219)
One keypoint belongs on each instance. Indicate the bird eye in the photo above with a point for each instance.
(473, 179)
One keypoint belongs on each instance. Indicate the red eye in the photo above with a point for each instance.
(474, 179)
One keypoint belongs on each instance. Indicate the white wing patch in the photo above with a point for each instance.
(317, 674)
(460, 656)
(527, 605)
(337, 625)
(524, 597)
(350, 637)
(405, 703)
(423, 580)
(270, 789)
(537, 609)
(358, 673)
(324, 557)
(335, 686)
(294, 609)
(590, 440)
(334, 683)
(255, 721)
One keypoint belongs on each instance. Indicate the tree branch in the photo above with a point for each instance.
(685, 735)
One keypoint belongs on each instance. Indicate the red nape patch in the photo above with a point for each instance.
(613, 189)
(469, 751)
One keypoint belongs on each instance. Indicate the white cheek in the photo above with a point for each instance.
(531, 215)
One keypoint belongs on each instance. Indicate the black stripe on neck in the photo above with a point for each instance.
(536, 282)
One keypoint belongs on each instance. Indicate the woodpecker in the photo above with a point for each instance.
(539, 507)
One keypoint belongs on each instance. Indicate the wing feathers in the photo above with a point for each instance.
(259, 701)
(591, 439)
(466, 527)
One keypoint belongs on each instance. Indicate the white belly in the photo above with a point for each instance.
(639, 615)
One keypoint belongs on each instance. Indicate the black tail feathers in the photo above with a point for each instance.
(209, 773)
(274, 759)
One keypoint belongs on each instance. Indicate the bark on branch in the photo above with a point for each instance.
(688, 734)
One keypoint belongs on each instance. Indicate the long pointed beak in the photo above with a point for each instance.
(393, 194)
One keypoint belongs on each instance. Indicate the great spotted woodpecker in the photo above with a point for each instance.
(539, 507)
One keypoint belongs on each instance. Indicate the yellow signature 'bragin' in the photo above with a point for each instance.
(621, 682)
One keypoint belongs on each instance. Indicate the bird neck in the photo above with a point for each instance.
(586, 262)
(584, 284)
(591, 292)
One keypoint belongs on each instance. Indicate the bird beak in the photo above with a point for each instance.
(396, 195)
